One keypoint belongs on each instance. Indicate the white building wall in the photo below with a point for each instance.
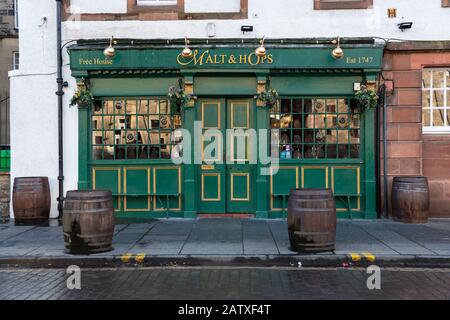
(34, 130)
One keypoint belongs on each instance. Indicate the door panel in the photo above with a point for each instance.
(226, 176)
(212, 173)
(240, 172)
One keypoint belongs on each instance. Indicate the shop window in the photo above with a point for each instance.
(436, 100)
(315, 129)
(132, 129)
(342, 4)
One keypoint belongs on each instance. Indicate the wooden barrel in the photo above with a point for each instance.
(410, 199)
(88, 221)
(31, 199)
(312, 220)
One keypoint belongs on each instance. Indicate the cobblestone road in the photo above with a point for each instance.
(224, 283)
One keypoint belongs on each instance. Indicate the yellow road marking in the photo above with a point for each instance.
(369, 256)
(140, 257)
(355, 256)
(126, 257)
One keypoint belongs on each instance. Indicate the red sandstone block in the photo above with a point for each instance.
(410, 167)
(393, 166)
(420, 60)
(436, 169)
(440, 208)
(400, 149)
(446, 189)
(436, 149)
(436, 189)
(392, 132)
(405, 114)
(408, 79)
(409, 97)
(396, 61)
(409, 131)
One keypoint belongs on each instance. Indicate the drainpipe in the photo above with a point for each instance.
(60, 94)
(385, 182)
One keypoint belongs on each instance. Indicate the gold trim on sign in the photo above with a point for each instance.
(179, 188)
(247, 104)
(125, 209)
(315, 167)
(358, 186)
(272, 208)
(218, 175)
(232, 175)
(119, 198)
(218, 105)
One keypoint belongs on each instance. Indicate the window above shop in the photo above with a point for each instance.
(436, 100)
(342, 4)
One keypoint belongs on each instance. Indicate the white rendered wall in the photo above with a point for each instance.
(289, 19)
(201, 6)
(34, 130)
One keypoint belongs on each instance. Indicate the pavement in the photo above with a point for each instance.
(233, 242)
(224, 283)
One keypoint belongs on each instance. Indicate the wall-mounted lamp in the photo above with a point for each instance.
(337, 52)
(187, 52)
(261, 50)
(110, 52)
(405, 25)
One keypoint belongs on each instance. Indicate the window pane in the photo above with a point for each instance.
(426, 79)
(438, 79)
(438, 118)
(448, 78)
(438, 98)
(426, 117)
(426, 99)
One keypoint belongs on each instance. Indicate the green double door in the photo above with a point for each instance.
(227, 171)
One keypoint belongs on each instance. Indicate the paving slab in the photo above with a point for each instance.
(236, 239)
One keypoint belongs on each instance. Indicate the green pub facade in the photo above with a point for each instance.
(129, 134)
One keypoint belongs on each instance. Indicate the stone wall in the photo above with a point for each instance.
(411, 152)
(4, 196)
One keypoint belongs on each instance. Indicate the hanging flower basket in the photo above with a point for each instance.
(82, 97)
(269, 97)
(178, 98)
(366, 98)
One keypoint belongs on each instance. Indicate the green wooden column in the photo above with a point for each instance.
(369, 159)
(84, 181)
(189, 181)
(262, 181)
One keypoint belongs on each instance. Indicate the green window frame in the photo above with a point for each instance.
(315, 128)
(134, 128)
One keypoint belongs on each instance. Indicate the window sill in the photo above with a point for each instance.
(342, 5)
(431, 132)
